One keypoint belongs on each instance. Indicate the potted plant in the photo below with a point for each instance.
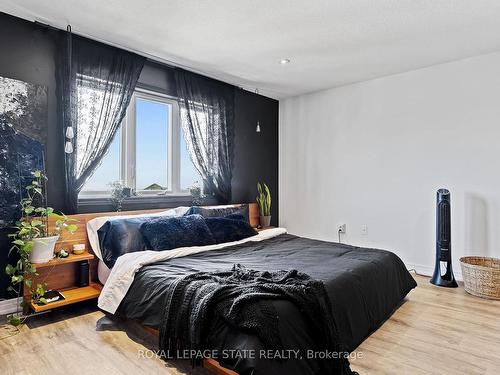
(264, 202)
(33, 241)
(119, 192)
(196, 194)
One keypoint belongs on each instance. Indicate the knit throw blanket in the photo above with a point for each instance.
(244, 298)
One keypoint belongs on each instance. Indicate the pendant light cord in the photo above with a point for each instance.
(69, 132)
(70, 63)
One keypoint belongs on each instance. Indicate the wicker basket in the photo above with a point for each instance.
(481, 276)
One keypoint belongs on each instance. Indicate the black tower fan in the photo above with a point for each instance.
(443, 241)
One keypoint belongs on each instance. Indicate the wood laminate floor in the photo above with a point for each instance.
(436, 331)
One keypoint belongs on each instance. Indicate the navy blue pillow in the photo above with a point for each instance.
(121, 236)
(166, 233)
(221, 211)
(230, 228)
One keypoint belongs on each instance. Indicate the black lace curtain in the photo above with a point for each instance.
(94, 93)
(207, 119)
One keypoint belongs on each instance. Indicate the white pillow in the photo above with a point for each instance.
(94, 224)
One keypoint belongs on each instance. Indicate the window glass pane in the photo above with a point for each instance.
(109, 170)
(152, 121)
(189, 175)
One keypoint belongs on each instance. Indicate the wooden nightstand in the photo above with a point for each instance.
(62, 274)
(60, 271)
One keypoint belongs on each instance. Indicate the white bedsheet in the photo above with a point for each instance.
(123, 272)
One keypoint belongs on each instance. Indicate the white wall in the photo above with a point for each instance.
(375, 153)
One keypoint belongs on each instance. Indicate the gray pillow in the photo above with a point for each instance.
(221, 211)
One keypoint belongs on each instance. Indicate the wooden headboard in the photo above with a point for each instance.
(80, 236)
(65, 277)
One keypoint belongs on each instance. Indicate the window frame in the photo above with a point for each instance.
(127, 164)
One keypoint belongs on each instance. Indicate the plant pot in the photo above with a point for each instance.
(43, 249)
(265, 221)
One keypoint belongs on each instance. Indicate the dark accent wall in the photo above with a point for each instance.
(255, 154)
(4, 260)
(28, 53)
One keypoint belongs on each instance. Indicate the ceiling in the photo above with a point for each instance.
(330, 42)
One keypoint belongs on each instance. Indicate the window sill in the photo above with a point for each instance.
(87, 204)
(89, 197)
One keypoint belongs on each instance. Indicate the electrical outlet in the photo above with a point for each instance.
(364, 229)
(342, 228)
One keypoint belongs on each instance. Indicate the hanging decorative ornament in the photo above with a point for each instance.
(257, 129)
(68, 147)
(70, 134)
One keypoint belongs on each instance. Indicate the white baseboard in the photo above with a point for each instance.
(429, 270)
(9, 306)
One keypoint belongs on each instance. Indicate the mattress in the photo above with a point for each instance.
(364, 286)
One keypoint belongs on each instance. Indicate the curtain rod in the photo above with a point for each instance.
(149, 56)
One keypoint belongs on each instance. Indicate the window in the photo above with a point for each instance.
(153, 124)
(108, 171)
(149, 152)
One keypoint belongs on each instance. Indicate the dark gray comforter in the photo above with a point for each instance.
(364, 285)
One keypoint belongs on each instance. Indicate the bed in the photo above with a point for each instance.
(364, 286)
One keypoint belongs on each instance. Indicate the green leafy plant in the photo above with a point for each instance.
(264, 199)
(33, 224)
(197, 194)
(119, 192)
